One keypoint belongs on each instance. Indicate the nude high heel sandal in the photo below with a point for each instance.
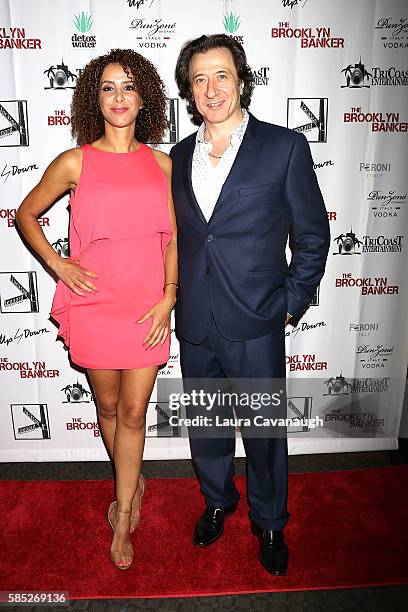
(135, 516)
(113, 508)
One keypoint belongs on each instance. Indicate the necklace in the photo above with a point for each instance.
(210, 154)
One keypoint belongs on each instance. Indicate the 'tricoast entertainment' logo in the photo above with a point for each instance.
(357, 76)
(339, 385)
(349, 244)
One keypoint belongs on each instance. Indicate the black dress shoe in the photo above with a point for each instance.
(210, 525)
(274, 552)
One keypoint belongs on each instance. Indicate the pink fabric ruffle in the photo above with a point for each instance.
(60, 310)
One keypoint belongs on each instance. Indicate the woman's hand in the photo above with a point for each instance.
(160, 324)
(74, 276)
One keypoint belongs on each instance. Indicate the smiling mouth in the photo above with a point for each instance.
(119, 110)
(215, 105)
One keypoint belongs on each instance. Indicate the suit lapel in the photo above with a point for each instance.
(189, 186)
(245, 157)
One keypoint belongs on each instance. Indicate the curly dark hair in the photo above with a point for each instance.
(87, 122)
(201, 45)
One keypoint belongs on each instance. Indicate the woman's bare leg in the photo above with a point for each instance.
(105, 385)
(136, 386)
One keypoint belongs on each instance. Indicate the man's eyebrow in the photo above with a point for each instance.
(196, 74)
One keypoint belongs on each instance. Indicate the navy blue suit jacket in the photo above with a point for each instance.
(234, 267)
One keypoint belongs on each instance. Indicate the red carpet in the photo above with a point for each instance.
(346, 529)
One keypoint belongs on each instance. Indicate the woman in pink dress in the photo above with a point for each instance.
(116, 291)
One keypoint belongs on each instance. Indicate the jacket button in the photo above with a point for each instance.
(207, 269)
(209, 238)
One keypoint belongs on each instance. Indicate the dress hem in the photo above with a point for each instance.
(104, 367)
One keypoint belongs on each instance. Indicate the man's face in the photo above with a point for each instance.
(215, 85)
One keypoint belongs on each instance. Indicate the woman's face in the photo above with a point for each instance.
(119, 100)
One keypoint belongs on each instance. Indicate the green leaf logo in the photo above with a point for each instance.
(83, 22)
(231, 23)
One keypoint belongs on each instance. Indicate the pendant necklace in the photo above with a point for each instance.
(210, 154)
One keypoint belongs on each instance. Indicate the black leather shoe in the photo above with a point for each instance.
(210, 525)
(274, 552)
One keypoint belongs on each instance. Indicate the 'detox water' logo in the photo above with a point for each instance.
(82, 38)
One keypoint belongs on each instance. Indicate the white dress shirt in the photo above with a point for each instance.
(207, 179)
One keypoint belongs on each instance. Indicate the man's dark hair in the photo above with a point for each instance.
(201, 45)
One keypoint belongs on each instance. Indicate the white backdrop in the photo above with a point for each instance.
(336, 71)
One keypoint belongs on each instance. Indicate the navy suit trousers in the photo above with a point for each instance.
(267, 458)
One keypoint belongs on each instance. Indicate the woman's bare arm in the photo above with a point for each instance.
(60, 176)
(161, 312)
(170, 262)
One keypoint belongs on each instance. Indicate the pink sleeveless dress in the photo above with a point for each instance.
(119, 228)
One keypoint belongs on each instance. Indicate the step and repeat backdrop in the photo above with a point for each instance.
(336, 71)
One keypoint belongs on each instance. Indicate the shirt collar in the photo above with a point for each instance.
(236, 136)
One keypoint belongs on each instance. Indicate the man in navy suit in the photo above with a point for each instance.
(241, 188)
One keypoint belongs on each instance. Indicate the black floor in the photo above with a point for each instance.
(381, 599)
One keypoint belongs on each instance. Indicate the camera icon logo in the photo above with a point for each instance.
(61, 246)
(76, 393)
(60, 76)
(337, 385)
(348, 244)
(356, 75)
